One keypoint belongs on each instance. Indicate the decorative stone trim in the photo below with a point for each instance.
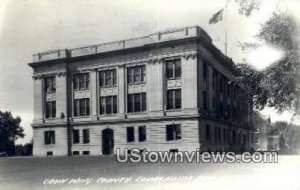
(152, 59)
(191, 55)
(61, 74)
(42, 75)
(37, 77)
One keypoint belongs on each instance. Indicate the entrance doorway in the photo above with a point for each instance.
(107, 141)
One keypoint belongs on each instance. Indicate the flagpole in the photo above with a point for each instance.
(226, 27)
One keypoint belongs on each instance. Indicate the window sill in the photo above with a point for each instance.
(108, 115)
(80, 117)
(83, 89)
(137, 113)
(109, 86)
(51, 119)
(138, 83)
(176, 78)
(174, 110)
(173, 140)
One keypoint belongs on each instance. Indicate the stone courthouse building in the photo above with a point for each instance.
(172, 91)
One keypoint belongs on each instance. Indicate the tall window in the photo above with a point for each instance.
(50, 85)
(221, 83)
(214, 78)
(136, 102)
(81, 81)
(142, 133)
(75, 136)
(174, 99)
(82, 107)
(205, 71)
(233, 137)
(86, 136)
(173, 69)
(173, 132)
(207, 129)
(136, 74)
(49, 137)
(108, 105)
(50, 109)
(216, 134)
(108, 78)
(205, 85)
(130, 134)
(205, 101)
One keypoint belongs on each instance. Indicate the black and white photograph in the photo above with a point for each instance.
(150, 94)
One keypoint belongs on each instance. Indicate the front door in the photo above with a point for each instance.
(107, 141)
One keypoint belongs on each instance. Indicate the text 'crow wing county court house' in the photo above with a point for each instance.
(171, 91)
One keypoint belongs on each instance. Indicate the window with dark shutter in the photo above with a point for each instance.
(142, 133)
(207, 129)
(130, 134)
(75, 136)
(86, 136)
(173, 132)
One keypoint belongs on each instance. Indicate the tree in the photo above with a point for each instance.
(24, 150)
(246, 7)
(251, 78)
(279, 82)
(281, 78)
(10, 131)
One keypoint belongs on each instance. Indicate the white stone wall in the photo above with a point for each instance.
(58, 149)
(155, 140)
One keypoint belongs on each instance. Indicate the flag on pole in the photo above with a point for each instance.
(216, 17)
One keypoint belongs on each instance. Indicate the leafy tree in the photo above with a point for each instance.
(10, 131)
(246, 7)
(24, 150)
(251, 78)
(282, 78)
(279, 83)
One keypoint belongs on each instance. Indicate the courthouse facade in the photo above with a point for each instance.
(172, 91)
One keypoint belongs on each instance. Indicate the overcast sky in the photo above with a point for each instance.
(31, 26)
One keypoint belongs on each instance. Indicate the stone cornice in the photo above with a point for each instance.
(39, 76)
(151, 59)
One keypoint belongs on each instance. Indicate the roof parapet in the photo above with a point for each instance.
(163, 36)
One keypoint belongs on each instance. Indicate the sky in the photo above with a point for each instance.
(32, 26)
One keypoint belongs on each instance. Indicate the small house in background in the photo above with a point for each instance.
(273, 138)
(259, 136)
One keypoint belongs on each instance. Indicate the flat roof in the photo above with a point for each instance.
(163, 36)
